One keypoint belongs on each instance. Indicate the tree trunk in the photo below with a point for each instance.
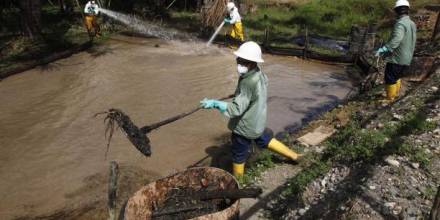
(30, 17)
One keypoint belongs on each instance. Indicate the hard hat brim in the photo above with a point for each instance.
(253, 59)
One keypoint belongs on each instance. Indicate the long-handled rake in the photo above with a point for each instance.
(137, 136)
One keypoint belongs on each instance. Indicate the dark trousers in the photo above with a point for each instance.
(241, 145)
(394, 72)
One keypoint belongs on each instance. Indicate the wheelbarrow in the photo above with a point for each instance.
(147, 203)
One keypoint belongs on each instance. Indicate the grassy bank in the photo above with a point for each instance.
(331, 18)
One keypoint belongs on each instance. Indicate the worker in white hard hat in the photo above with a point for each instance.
(247, 110)
(399, 50)
(91, 10)
(234, 19)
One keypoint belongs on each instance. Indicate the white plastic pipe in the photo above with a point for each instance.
(215, 34)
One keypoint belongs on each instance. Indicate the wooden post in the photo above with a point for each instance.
(306, 43)
(266, 32)
(112, 190)
(435, 212)
(436, 33)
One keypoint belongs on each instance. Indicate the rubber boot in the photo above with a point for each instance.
(238, 169)
(391, 91)
(282, 149)
(398, 86)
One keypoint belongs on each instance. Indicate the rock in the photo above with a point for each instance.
(390, 205)
(319, 149)
(372, 187)
(397, 116)
(436, 131)
(323, 183)
(415, 165)
(301, 212)
(434, 88)
(318, 135)
(397, 210)
(380, 125)
(304, 145)
(391, 161)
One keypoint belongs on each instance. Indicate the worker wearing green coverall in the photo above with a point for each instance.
(248, 109)
(399, 50)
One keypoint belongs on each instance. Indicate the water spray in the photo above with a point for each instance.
(215, 34)
(140, 25)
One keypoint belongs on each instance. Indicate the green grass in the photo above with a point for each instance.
(329, 18)
(254, 169)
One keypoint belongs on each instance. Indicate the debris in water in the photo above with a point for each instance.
(138, 138)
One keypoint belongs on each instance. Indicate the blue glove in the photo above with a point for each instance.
(227, 21)
(212, 103)
(381, 50)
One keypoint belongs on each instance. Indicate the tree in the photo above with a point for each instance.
(30, 17)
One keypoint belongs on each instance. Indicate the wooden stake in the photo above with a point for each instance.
(436, 33)
(112, 190)
(306, 43)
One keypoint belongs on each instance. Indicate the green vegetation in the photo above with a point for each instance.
(329, 18)
(262, 162)
(332, 18)
(354, 144)
(59, 32)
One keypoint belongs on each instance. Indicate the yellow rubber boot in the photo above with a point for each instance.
(282, 149)
(391, 92)
(238, 169)
(398, 86)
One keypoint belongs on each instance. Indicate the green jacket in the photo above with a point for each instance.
(247, 111)
(402, 42)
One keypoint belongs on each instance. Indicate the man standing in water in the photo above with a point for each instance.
(247, 111)
(399, 50)
(91, 10)
(234, 19)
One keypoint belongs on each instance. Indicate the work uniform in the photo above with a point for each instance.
(248, 110)
(91, 11)
(401, 46)
(236, 31)
(247, 113)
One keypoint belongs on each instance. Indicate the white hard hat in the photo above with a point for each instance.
(250, 51)
(401, 3)
(230, 6)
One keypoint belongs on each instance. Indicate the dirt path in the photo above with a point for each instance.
(52, 149)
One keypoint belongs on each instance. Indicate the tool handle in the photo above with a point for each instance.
(148, 128)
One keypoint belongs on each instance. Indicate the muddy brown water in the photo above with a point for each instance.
(52, 149)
